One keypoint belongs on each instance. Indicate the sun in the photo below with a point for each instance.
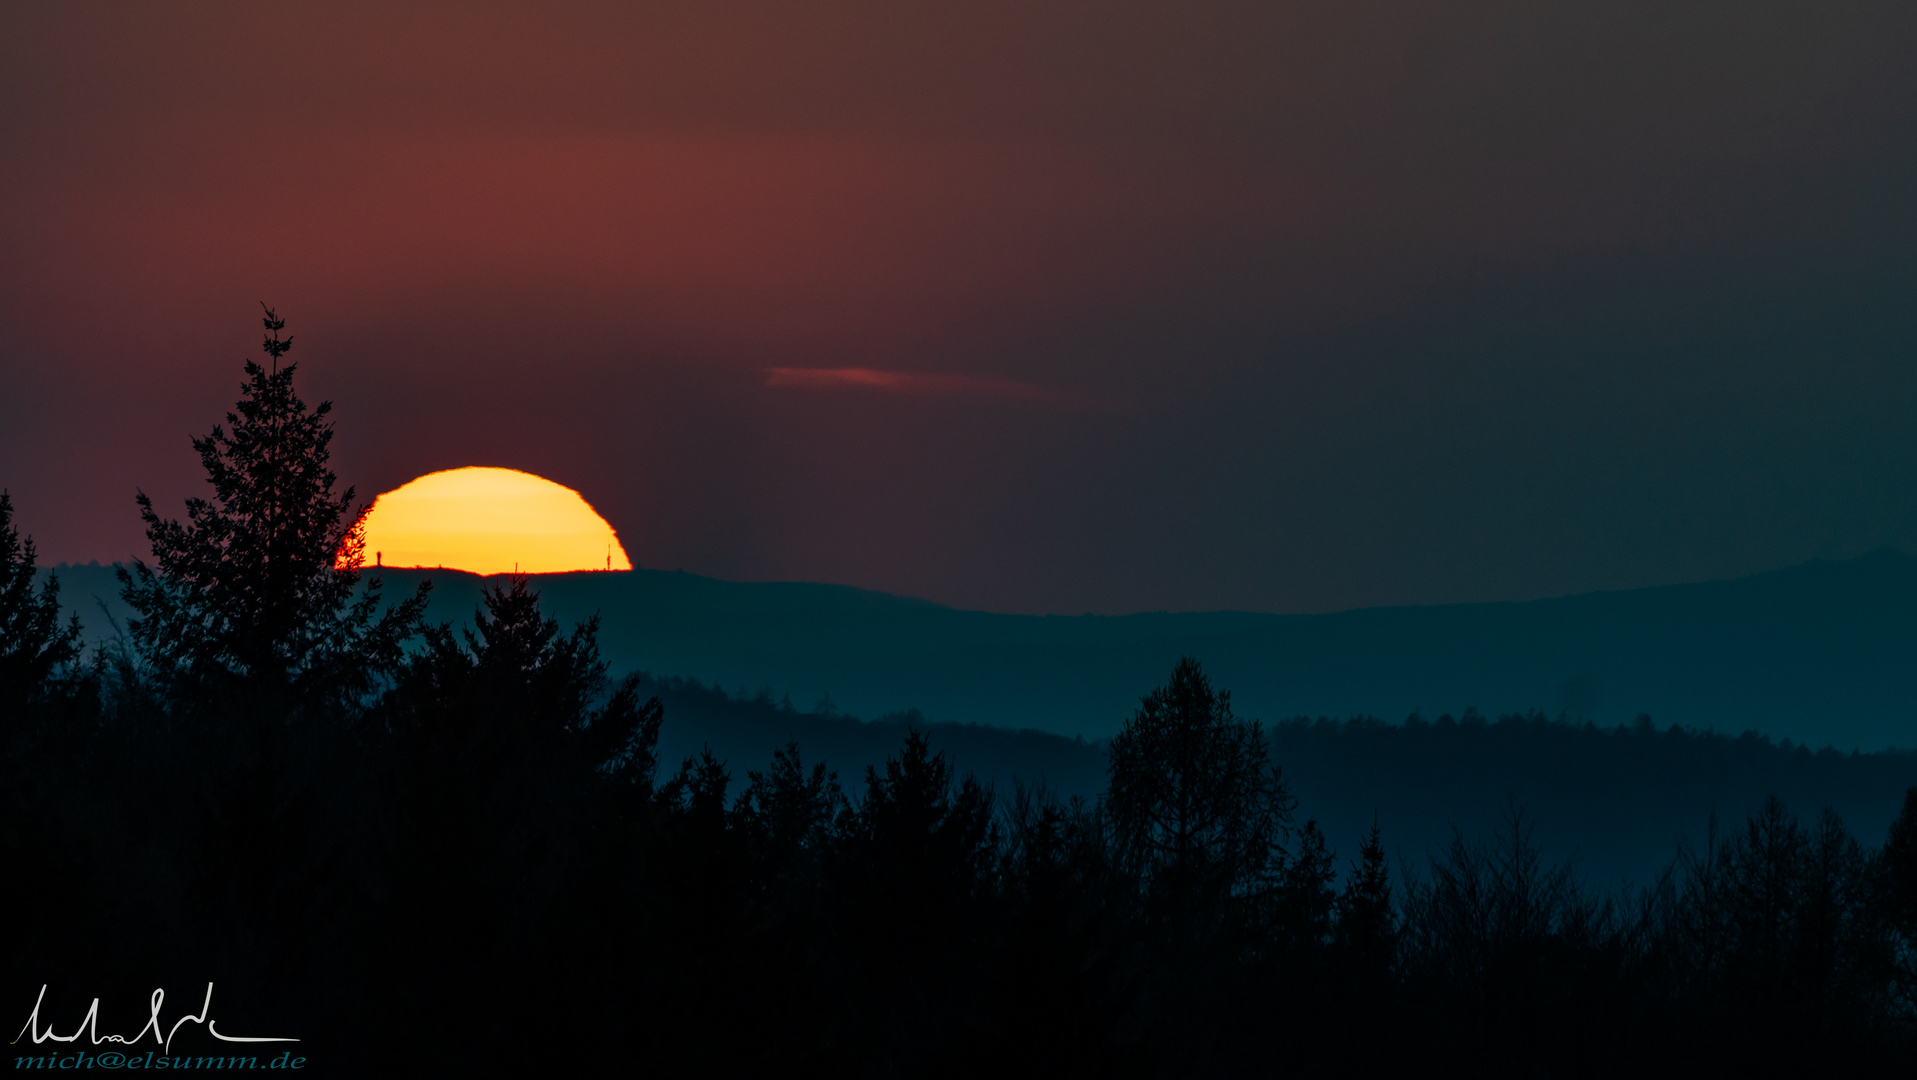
(490, 521)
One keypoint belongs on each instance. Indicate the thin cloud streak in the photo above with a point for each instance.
(918, 384)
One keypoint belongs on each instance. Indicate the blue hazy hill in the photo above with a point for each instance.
(1821, 653)
(1813, 655)
(1619, 802)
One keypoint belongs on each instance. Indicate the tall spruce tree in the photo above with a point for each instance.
(1366, 923)
(1897, 869)
(1894, 891)
(255, 592)
(34, 647)
(514, 679)
(1306, 898)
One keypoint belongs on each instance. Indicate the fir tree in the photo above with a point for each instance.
(1898, 864)
(786, 816)
(1306, 898)
(1894, 889)
(514, 677)
(925, 825)
(34, 647)
(914, 870)
(1367, 929)
(256, 588)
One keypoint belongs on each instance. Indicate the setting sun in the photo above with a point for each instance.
(490, 521)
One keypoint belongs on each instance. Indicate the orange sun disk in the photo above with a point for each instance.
(490, 521)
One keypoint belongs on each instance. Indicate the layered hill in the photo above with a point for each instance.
(1811, 656)
(1620, 803)
(1821, 653)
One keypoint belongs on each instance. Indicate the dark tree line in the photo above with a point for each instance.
(424, 849)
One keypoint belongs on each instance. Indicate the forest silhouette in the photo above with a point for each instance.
(426, 849)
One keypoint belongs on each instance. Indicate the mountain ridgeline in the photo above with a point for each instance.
(1769, 662)
(1824, 653)
(1618, 804)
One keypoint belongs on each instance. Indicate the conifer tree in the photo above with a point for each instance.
(513, 659)
(514, 676)
(34, 647)
(1193, 798)
(1366, 925)
(1765, 871)
(1894, 878)
(919, 822)
(1898, 863)
(913, 881)
(786, 816)
(1306, 898)
(256, 589)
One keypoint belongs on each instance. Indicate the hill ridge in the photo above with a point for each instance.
(1824, 651)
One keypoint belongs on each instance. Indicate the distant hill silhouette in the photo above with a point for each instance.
(1816, 654)
(1618, 801)
(1822, 653)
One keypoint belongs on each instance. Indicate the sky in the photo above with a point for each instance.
(1041, 306)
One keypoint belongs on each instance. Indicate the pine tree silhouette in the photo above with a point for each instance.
(1366, 923)
(786, 817)
(913, 876)
(256, 589)
(34, 647)
(1897, 869)
(1893, 882)
(514, 679)
(1306, 898)
(1194, 801)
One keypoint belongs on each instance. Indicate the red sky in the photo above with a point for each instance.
(1280, 306)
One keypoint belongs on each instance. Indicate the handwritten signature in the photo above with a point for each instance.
(91, 1025)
